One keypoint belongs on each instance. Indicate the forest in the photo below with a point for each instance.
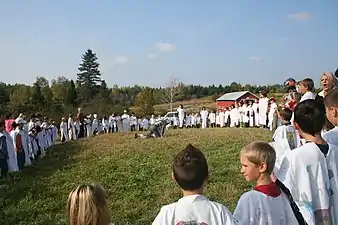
(61, 96)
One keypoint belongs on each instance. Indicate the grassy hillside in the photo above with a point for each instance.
(136, 174)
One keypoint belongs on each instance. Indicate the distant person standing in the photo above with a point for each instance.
(80, 118)
(181, 113)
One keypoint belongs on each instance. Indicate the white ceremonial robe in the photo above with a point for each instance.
(332, 166)
(126, 122)
(273, 109)
(194, 209)
(187, 121)
(181, 116)
(263, 107)
(71, 129)
(28, 150)
(193, 120)
(257, 208)
(226, 117)
(285, 138)
(331, 137)
(251, 114)
(221, 119)
(176, 122)
(198, 120)
(55, 133)
(212, 117)
(12, 159)
(307, 95)
(105, 124)
(245, 116)
(256, 114)
(304, 172)
(217, 120)
(95, 126)
(204, 118)
(88, 127)
(145, 124)
(63, 131)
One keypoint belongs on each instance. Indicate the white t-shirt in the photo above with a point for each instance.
(304, 171)
(307, 95)
(331, 136)
(257, 208)
(194, 209)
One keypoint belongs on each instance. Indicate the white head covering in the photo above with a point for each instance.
(20, 121)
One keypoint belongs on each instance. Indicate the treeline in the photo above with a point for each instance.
(61, 96)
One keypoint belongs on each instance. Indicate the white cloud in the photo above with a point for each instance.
(284, 39)
(165, 47)
(152, 56)
(254, 58)
(301, 16)
(120, 59)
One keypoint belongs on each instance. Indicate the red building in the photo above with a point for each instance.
(229, 99)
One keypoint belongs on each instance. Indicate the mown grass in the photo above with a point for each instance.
(136, 174)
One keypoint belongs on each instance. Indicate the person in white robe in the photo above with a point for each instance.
(133, 122)
(71, 128)
(95, 125)
(217, 120)
(193, 119)
(63, 130)
(89, 125)
(77, 125)
(304, 170)
(241, 113)
(251, 114)
(233, 116)
(245, 115)
(111, 123)
(204, 118)
(19, 142)
(221, 118)
(272, 114)
(176, 122)
(28, 150)
(152, 120)
(125, 122)
(212, 119)
(262, 109)
(198, 120)
(285, 137)
(227, 117)
(256, 114)
(105, 124)
(139, 124)
(54, 131)
(187, 121)
(145, 123)
(12, 157)
(181, 115)
(266, 203)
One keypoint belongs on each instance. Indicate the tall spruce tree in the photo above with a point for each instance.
(89, 76)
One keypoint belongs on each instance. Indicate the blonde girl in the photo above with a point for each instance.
(88, 205)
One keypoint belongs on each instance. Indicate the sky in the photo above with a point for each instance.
(148, 42)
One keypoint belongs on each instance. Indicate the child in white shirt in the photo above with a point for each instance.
(304, 170)
(265, 204)
(190, 171)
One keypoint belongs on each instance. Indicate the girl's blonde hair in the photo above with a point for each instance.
(88, 205)
(331, 78)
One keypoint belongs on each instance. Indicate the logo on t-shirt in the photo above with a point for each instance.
(191, 223)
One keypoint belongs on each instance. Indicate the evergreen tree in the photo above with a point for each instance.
(71, 93)
(89, 77)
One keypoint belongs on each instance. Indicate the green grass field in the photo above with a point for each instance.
(136, 174)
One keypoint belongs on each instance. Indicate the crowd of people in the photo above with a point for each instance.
(296, 175)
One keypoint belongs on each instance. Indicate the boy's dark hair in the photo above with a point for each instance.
(14, 125)
(308, 83)
(286, 114)
(310, 116)
(331, 98)
(190, 168)
(264, 93)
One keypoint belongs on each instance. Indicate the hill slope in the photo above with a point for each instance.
(136, 174)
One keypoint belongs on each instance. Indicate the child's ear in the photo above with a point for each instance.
(263, 168)
(334, 112)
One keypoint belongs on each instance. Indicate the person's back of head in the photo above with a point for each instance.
(286, 114)
(14, 125)
(309, 117)
(88, 204)
(190, 169)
